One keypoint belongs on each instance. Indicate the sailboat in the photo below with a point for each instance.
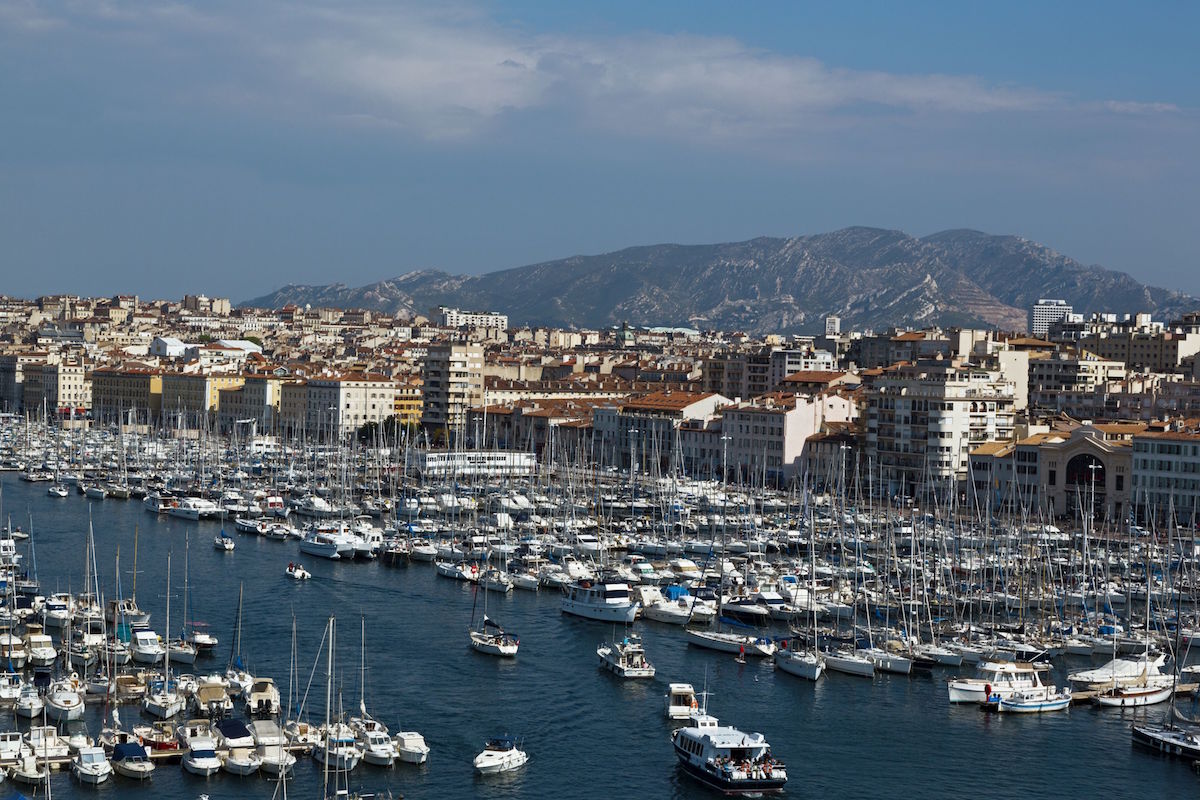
(239, 679)
(803, 662)
(1143, 691)
(372, 735)
(490, 638)
(164, 701)
(181, 649)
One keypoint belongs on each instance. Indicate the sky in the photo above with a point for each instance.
(232, 147)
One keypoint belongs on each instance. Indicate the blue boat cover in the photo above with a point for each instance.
(129, 750)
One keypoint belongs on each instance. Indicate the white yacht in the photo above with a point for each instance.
(130, 760)
(338, 748)
(90, 765)
(411, 747)
(201, 757)
(1122, 671)
(377, 747)
(681, 701)
(500, 754)
(269, 742)
(262, 699)
(64, 699)
(607, 602)
(726, 759)
(626, 658)
(146, 648)
(194, 508)
(996, 679)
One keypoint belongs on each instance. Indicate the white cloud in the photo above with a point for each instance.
(449, 71)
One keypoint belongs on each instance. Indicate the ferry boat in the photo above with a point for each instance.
(626, 658)
(607, 602)
(724, 758)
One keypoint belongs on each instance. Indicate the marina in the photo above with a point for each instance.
(409, 666)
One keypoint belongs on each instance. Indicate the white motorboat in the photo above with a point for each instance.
(90, 765)
(39, 647)
(1035, 700)
(411, 747)
(130, 760)
(146, 648)
(626, 658)
(194, 508)
(201, 757)
(262, 699)
(500, 754)
(377, 747)
(338, 748)
(271, 746)
(242, 761)
(29, 770)
(232, 733)
(64, 699)
(29, 703)
(606, 602)
(297, 572)
(46, 743)
(726, 759)
(999, 679)
(681, 701)
(1120, 671)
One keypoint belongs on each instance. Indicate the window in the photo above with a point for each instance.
(1053, 478)
(1120, 483)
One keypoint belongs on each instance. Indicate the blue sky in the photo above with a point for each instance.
(232, 147)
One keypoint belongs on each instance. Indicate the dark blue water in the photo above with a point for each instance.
(588, 734)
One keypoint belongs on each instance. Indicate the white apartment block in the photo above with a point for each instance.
(339, 405)
(1059, 377)
(1166, 476)
(1046, 313)
(924, 418)
(447, 317)
(786, 362)
(766, 436)
(452, 376)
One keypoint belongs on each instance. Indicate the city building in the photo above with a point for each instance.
(1047, 312)
(452, 381)
(922, 420)
(447, 317)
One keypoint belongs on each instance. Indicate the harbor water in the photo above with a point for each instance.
(588, 733)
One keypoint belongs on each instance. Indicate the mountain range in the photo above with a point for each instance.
(869, 277)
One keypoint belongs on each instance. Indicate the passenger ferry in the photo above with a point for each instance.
(724, 758)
